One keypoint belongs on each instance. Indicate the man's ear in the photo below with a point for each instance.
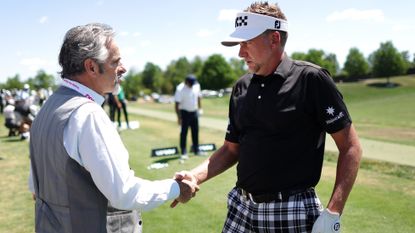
(276, 37)
(91, 67)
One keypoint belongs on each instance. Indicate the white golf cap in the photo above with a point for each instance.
(250, 25)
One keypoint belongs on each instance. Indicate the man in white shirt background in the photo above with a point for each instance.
(188, 107)
(78, 160)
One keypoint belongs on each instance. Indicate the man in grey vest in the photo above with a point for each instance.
(78, 161)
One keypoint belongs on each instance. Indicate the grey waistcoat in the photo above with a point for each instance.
(67, 199)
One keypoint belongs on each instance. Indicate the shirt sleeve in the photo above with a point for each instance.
(178, 93)
(232, 134)
(92, 140)
(330, 109)
(30, 183)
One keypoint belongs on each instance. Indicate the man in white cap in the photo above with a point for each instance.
(188, 106)
(279, 115)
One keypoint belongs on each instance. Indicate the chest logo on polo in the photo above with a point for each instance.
(332, 113)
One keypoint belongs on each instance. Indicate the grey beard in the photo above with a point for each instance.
(116, 89)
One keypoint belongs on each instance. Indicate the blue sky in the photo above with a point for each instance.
(163, 30)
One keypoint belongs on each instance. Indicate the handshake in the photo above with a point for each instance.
(188, 187)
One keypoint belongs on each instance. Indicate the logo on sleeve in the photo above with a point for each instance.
(331, 112)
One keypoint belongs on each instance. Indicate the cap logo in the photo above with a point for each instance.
(277, 24)
(241, 21)
(249, 25)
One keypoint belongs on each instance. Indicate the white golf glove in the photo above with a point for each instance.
(327, 222)
(200, 112)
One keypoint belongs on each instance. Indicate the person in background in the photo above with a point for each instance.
(2, 100)
(113, 105)
(24, 94)
(122, 105)
(188, 107)
(10, 119)
(279, 115)
(24, 113)
(78, 160)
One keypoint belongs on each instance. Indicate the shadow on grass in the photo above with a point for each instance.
(384, 85)
(166, 160)
(11, 139)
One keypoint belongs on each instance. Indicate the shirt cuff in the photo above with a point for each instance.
(174, 189)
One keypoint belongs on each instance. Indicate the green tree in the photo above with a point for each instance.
(216, 73)
(152, 77)
(42, 80)
(175, 73)
(299, 56)
(356, 64)
(407, 60)
(238, 67)
(387, 61)
(331, 64)
(13, 83)
(315, 56)
(132, 84)
(197, 66)
(318, 57)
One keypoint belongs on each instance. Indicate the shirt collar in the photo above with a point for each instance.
(83, 90)
(282, 70)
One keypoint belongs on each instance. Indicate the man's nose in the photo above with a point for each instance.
(122, 70)
(242, 50)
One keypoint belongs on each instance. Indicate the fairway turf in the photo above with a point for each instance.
(382, 201)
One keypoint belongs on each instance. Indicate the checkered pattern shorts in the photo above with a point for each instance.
(295, 215)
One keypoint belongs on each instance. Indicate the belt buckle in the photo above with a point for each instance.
(247, 195)
(251, 197)
(279, 194)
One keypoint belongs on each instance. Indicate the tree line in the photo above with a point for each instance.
(215, 72)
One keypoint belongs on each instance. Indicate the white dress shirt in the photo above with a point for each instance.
(91, 139)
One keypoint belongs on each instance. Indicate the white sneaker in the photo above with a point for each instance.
(25, 136)
(185, 156)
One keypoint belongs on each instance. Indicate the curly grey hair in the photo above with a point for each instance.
(83, 42)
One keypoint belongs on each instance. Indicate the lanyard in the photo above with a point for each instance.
(77, 87)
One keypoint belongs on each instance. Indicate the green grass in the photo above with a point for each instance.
(385, 114)
(382, 201)
(379, 113)
(16, 205)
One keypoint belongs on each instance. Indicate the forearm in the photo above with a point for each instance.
(224, 158)
(176, 108)
(347, 169)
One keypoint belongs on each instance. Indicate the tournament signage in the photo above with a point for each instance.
(207, 147)
(164, 151)
(168, 151)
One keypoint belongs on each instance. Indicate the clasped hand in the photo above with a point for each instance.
(188, 187)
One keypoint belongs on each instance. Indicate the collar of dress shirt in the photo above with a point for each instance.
(83, 90)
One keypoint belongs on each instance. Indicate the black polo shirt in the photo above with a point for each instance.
(280, 122)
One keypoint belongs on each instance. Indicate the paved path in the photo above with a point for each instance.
(391, 152)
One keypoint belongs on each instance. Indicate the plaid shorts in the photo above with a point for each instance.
(294, 215)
